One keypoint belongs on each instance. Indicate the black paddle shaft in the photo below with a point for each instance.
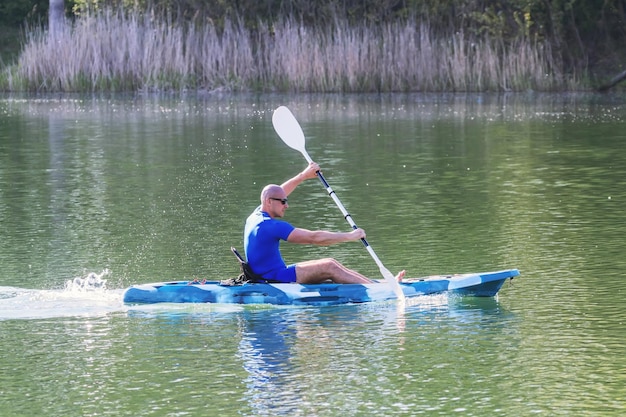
(345, 213)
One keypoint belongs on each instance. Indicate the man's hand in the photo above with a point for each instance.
(358, 234)
(310, 171)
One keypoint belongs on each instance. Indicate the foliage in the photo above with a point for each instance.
(584, 24)
(15, 12)
(580, 34)
(116, 51)
(579, 30)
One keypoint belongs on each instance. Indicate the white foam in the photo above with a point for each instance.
(82, 296)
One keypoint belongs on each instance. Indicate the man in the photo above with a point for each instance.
(263, 233)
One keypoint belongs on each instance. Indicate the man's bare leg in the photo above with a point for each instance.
(319, 270)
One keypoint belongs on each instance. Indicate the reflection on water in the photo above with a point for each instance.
(354, 347)
(156, 189)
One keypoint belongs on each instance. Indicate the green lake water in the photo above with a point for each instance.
(143, 189)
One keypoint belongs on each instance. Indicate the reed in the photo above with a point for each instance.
(117, 51)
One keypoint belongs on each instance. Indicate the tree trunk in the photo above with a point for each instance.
(56, 16)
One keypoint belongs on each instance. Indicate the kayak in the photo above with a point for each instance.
(483, 284)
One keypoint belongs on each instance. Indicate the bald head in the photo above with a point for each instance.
(274, 200)
(272, 190)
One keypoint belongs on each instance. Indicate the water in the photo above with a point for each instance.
(142, 189)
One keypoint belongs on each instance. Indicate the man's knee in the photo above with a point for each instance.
(331, 264)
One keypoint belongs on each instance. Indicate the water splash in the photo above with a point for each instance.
(82, 296)
(90, 282)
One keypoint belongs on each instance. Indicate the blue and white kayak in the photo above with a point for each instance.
(484, 284)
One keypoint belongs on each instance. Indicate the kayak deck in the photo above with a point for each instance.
(484, 284)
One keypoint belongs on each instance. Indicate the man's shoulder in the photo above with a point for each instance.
(275, 225)
(255, 215)
(268, 221)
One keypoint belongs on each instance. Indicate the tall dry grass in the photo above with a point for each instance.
(116, 51)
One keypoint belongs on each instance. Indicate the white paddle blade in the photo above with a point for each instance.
(391, 280)
(289, 130)
(393, 283)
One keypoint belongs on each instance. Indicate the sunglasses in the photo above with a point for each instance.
(282, 200)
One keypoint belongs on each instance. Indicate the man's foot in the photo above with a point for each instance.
(400, 275)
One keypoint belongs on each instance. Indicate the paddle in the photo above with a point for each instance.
(289, 130)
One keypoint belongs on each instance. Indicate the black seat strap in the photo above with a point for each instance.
(247, 272)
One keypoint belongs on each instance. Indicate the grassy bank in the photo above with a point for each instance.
(128, 52)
